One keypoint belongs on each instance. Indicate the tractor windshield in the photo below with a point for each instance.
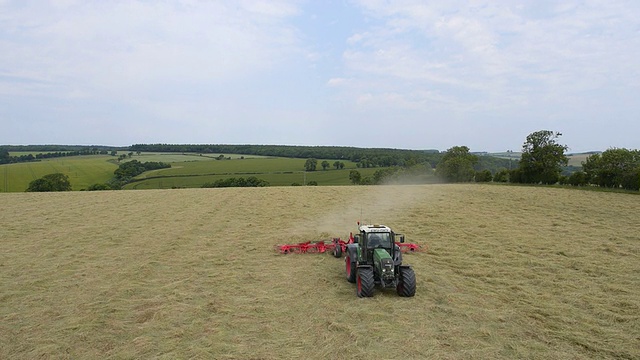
(379, 240)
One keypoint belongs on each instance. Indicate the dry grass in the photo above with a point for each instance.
(511, 272)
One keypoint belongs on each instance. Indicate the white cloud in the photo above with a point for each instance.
(356, 38)
(337, 81)
(271, 8)
(485, 55)
(132, 46)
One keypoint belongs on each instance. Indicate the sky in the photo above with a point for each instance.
(411, 74)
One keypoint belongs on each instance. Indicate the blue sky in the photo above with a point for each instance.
(400, 74)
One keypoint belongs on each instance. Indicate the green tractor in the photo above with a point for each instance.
(374, 258)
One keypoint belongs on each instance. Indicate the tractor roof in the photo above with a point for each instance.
(374, 228)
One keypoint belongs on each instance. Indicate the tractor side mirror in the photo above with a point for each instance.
(401, 238)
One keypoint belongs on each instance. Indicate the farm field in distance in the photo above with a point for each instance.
(277, 171)
(510, 272)
(188, 170)
(574, 159)
(83, 171)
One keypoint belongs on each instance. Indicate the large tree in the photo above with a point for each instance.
(50, 182)
(457, 165)
(355, 177)
(542, 158)
(310, 164)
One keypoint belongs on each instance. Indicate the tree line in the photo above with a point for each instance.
(542, 162)
(6, 158)
(133, 168)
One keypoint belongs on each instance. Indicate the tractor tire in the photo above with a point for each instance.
(337, 251)
(407, 283)
(351, 269)
(365, 282)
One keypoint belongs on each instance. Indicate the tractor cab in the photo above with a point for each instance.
(373, 237)
(378, 248)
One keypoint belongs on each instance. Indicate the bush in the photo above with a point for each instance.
(578, 178)
(98, 187)
(515, 176)
(501, 176)
(251, 181)
(631, 180)
(484, 176)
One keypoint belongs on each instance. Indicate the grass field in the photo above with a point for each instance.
(323, 178)
(83, 171)
(256, 166)
(183, 157)
(510, 273)
(277, 171)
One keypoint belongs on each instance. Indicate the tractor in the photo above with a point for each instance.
(374, 258)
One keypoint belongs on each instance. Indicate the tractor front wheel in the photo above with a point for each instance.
(365, 282)
(407, 283)
(337, 251)
(351, 269)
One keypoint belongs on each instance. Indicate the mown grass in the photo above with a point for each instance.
(510, 272)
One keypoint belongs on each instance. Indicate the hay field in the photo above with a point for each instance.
(511, 272)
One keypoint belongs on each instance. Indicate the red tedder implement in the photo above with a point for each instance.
(315, 247)
(337, 246)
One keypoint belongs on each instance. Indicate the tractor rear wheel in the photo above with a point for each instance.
(407, 283)
(365, 282)
(351, 269)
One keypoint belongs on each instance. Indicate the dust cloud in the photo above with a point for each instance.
(344, 207)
